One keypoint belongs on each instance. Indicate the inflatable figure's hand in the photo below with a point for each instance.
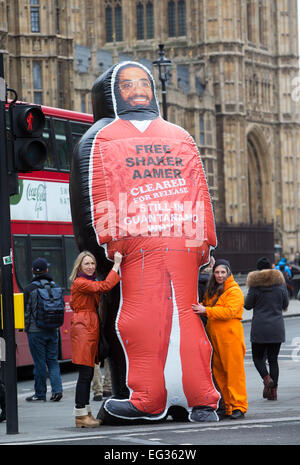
(117, 261)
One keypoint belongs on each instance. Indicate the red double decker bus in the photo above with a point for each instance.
(41, 223)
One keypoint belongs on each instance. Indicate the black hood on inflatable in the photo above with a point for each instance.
(116, 94)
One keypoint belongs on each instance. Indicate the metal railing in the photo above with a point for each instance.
(244, 244)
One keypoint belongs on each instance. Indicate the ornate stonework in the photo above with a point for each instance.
(231, 84)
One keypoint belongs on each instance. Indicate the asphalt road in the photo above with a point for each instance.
(266, 422)
(285, 431)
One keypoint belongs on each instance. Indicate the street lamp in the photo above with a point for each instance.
(163, 65)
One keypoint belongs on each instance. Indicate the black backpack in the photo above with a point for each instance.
(50, 305)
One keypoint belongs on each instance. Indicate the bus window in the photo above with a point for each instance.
(22, 264)
(51, 161)
(71, 254)
(62, 149)
(78, 129)
(50, 249)
(59, 251)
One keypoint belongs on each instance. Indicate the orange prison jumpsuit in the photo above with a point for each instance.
(226, 333)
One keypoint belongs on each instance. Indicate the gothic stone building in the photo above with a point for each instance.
(234, 84)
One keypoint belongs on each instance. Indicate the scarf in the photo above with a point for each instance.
(80, 274)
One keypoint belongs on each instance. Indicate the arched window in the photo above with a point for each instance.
(140, 21)
(172, 18)
(57, 16)
(249, 21)
(262, 23)
(176, 18)
(118, 23)
(37, 83)
(35, 15)
(150, 20)
(108, 24)
(181, 18)
(144, 20)
(113, 21)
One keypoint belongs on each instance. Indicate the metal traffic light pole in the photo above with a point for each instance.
(6, 269)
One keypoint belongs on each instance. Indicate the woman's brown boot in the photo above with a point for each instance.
(83, 419)
(89, 410)
(268, 385)
(273, 394)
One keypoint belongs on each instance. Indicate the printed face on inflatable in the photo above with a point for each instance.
(138, 187)
(134, 94)
(135, 87)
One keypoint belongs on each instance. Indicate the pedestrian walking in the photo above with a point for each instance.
(43, 343)
(84, 301)
(268, 297)
(283, 266)
(101, 385)
(223, 305)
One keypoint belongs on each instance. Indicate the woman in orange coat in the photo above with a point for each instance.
(223, 304)
(84, 302)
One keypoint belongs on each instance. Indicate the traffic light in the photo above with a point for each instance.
(29, 149)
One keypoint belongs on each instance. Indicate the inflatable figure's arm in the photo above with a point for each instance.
(80, 200)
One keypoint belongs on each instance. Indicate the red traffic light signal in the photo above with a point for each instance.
(28, 121)
(29, 149)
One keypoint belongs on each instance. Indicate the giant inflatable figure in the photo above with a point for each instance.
(138, 186)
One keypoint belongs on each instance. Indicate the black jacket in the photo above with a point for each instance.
(268, 297)
(29, 304)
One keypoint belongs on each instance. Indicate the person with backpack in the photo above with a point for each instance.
(44, 310)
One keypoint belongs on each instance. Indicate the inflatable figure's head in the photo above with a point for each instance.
(127, 91)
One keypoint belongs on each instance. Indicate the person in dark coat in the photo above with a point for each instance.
(268, 297)
(43, 343)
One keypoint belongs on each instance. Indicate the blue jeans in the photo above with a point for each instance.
(44, 350)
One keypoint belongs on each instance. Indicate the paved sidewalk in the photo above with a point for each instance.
(54, 420)
(51, 422)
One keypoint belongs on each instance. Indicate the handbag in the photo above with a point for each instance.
(298, 295)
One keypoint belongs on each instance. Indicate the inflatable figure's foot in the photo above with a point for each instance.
(203, 413)
(125, 409)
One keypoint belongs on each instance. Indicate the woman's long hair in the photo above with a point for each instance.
(214, 288)
(77, 263)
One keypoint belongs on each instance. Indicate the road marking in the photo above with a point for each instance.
(66, 385)
(210, 428)
(122, 433)
(43, 441)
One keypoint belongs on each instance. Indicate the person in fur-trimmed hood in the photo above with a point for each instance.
(268, 297)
